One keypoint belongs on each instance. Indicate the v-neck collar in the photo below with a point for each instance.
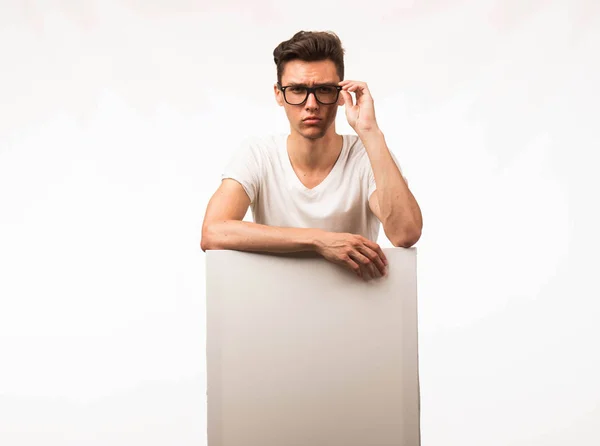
(293, 177)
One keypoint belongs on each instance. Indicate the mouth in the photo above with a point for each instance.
(311, 120)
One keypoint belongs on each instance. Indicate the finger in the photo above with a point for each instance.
(379, 251)
(375, 247)
(375, 258)
(373, 270)
(372, 263)
(354, 267)
(362, 262)
(365, 264)
(351, 87)
(360, 89)
(350, 81)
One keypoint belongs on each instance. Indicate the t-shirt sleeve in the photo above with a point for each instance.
(245, 167)
(371, 176)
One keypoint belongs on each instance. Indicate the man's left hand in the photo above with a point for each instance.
(361, 116)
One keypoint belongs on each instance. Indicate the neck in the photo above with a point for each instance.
(314, 155)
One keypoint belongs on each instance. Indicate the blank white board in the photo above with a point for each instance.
(301, 352)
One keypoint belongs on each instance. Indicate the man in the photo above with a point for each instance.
(315, 190)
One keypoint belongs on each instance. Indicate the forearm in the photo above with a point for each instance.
(248, 236)
(400, 213)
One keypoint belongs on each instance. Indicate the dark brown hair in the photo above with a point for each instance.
(310, 46)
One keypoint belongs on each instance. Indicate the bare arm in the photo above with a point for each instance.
(393, 202)
(223, 227)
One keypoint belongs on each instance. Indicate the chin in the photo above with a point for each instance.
(313, 132)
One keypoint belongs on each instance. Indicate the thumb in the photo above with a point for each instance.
(347, 98)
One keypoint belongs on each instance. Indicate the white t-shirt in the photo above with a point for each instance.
(340, 203)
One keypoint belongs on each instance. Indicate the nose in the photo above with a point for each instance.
(311, 101)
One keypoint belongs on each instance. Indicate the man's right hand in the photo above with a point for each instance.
(354, 252)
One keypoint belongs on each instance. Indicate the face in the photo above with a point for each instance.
(309, 74)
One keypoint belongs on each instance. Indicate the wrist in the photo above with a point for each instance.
(316, 240)
(370, 136)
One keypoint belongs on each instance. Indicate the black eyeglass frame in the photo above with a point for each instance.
(310, 90)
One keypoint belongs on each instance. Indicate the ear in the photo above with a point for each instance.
(278, 95)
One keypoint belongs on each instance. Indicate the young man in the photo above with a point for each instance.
(315, 190)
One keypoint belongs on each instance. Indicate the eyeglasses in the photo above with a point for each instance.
(297, 94)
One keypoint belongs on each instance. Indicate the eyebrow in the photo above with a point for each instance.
(299, 84)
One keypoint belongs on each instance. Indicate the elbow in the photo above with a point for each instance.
(204, 245)
(407, 239)
(216, 236)
(207, 242)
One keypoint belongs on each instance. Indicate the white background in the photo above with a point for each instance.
(116, 118)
